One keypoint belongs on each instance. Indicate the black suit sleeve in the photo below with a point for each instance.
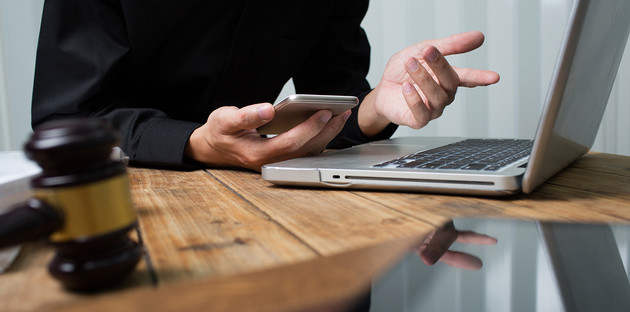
(80, 73)
(339, 65)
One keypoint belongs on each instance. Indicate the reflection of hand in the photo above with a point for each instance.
(229, 137)
(436, 247)
(418, 83)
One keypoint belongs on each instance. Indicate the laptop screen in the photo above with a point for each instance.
(580, 87)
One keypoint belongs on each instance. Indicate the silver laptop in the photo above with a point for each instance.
(580, 87)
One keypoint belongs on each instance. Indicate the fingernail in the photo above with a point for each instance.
(432, 256)
(412, 64)
(431, 54)
(407, 88)
(346, 115)
(265, 112)
(325, 116)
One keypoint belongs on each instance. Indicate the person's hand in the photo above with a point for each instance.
(229, 137)
(418, 83)
(436, 247)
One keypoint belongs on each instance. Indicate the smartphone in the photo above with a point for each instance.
(295, 109)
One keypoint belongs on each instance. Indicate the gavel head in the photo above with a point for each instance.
(91, 194)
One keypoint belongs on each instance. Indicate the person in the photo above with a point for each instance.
(188, 83)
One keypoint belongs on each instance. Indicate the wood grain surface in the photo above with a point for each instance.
(331, 283)
(206, 228)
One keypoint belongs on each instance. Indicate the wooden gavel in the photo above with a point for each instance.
(81, 202)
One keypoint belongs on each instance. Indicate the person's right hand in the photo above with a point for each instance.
(436, 247)
(229, 137)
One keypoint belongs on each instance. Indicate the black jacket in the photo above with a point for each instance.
(155, 69)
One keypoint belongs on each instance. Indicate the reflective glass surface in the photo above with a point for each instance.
(533, 267)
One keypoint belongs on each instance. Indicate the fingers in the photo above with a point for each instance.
(437, 244)
(229, 137)
(308, 138)
(420, 111)
(329, 132)
(471, 78)
(446, 76)
(232, 119)
(436, 247)
(438, 89)
(470, 237)
(462, 43)
(311, 136)
(458, 43)
(302, 133)
(461, 260)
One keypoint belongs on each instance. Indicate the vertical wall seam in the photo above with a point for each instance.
(5, 136)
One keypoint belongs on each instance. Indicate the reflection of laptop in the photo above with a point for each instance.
(575, 104)
(533, 267)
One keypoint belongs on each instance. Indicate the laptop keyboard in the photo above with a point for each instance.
(470, 154)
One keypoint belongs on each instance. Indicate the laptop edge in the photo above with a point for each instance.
(552, 151)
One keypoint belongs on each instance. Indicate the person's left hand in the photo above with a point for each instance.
(436, 247)
(418, 83)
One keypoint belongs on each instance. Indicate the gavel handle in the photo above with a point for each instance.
(30, 221)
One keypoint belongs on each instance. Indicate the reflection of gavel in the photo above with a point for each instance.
(81, 202)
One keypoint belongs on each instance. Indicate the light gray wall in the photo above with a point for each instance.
(19, 28)
(522, 41)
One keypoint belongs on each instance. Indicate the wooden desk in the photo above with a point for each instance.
(215, 237)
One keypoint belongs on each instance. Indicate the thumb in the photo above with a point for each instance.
(246, 118)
